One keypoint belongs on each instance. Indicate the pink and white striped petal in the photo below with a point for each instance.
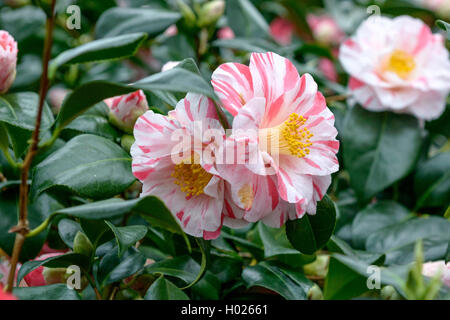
(232, 82)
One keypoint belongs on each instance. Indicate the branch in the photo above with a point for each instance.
(22, 228)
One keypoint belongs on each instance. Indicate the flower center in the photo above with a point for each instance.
(400, 62)
(191, 177)
(290, 137)
(246, 196)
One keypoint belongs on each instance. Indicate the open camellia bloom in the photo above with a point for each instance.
(177, 172)
(399, 65)
(8, 61)
(288, 131)
(124, 110)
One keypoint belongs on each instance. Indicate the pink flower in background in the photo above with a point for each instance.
(399, 65)
(225, 33)
(5, 295)
(431, 269)
(124, 110)
(325, 29)
(171, 31)
(36, 277)
(293, 136)
(328, 69)
(56, 98)
(177, 171)
(282, 30)
(8, 61)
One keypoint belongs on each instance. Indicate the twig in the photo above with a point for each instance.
(339, 97)
(22, 228)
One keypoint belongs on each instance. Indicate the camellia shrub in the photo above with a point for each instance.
(240, 149)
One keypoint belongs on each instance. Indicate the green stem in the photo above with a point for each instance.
(41, 227)
(202, 267)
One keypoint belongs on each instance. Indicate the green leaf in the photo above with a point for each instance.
(379, 149)
(18, 112)
(444, 26)
(290, 284)
(348, 276)
(150, 207)
(88, 165)
(67, 230)
(119, 47)
(432, 182)
(127, 236)
(113, 268)
(397, 241)
(187, 269)
(312, 232)
(51, 292)
(119, 21)
(163, 289)
(38, 211)
(91, 93)
(62, 261)
(375, 217)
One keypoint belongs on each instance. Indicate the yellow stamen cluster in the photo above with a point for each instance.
(296, 137)
(246, 196)
(291, 137)
(400, 62)
(191, 177)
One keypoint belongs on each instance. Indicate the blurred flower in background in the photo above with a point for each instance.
(399, 65)
(8, 61)
(431, 269)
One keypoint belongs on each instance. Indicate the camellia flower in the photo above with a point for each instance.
(282, 30)
(325, 29)
(399, 65)
(5, 295)
(328, 69)
(288, 130)
(8, 61)
(176, 171)
(431, 269)
(124, 110)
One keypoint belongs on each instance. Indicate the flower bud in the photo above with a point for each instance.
(124, 110)
(127, 141)
(8, 61)
(210, 13)
(187, 13)
(82, 244)
(315, 293)
(389, 293)
(54, 275)
(319, 267)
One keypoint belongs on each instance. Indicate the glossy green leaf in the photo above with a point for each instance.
(38, 211)
(127, 236)
(51, 292)
(67, 230)
(375, 217)
(163, 289)
(113, 268)
(444, 26)
(312, 232)
(88, 165)
(151, 208)
(119, 47)
(432, 182)
(290, 284)
(187, 269)
(397, 241)
(379, 149)
(119, 21)
(18, 112)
